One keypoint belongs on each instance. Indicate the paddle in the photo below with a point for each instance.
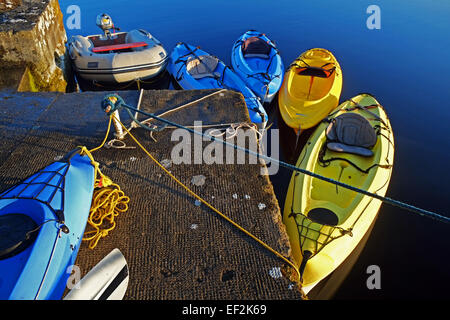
(108, 280)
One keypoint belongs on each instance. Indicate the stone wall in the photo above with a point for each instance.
(32, 45)
(6, 5)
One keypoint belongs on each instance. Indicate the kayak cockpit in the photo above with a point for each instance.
(17, 232)
(25, 227)
(49, 210)
(311, 83)
(314, 75)
(255, 47)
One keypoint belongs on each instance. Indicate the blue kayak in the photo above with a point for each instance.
(193, 68)
(42, 221)
(257, 61)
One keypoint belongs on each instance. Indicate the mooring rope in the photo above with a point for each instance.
(110, 107)
(109, 214)
(137, 123)
(265, 245)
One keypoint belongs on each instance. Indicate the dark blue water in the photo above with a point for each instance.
(405, 64)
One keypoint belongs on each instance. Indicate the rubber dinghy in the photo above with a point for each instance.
(193, 68)
(117, 57)
(311, 89)
(42, 221)
(256, 59)
(325, 222)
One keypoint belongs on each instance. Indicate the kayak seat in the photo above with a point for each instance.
(17, 232)
(351, 133)
(202, 67)
(255, 47)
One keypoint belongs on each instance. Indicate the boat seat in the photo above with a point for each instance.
(202, 67)
(122, 46)
(351, 133)
(99, 41)
(17, 232)
(255, 47)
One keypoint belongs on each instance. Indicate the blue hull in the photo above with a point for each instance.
(263, 76)
(57, 200)
(228, 80)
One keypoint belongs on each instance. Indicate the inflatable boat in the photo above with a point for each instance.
(117, 57)
(42, 221)
(192, 68)
(257, 61)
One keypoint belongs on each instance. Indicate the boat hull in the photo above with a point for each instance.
(118, 66)
(263, 76)
(304, 101)
(332, 244)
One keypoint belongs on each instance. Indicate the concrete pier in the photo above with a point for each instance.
(175, 248)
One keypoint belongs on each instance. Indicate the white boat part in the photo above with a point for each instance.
(108, 280)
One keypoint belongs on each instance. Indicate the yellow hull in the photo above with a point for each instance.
(331, 245)
(305, 100)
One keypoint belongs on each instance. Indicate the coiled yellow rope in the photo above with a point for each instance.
(108, 201)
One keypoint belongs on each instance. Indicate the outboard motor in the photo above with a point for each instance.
(105, 23)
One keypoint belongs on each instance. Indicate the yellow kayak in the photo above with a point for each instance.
(324, 222)
(311, 89)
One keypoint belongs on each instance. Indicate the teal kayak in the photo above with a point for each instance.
(256, 59)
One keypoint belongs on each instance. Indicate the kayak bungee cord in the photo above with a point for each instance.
(110, 106)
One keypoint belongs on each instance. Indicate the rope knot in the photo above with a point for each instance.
(103, 233)
(112, 102)
(103, 181)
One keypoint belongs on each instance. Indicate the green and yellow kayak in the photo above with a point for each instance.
(324, 222)
(311, 89)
